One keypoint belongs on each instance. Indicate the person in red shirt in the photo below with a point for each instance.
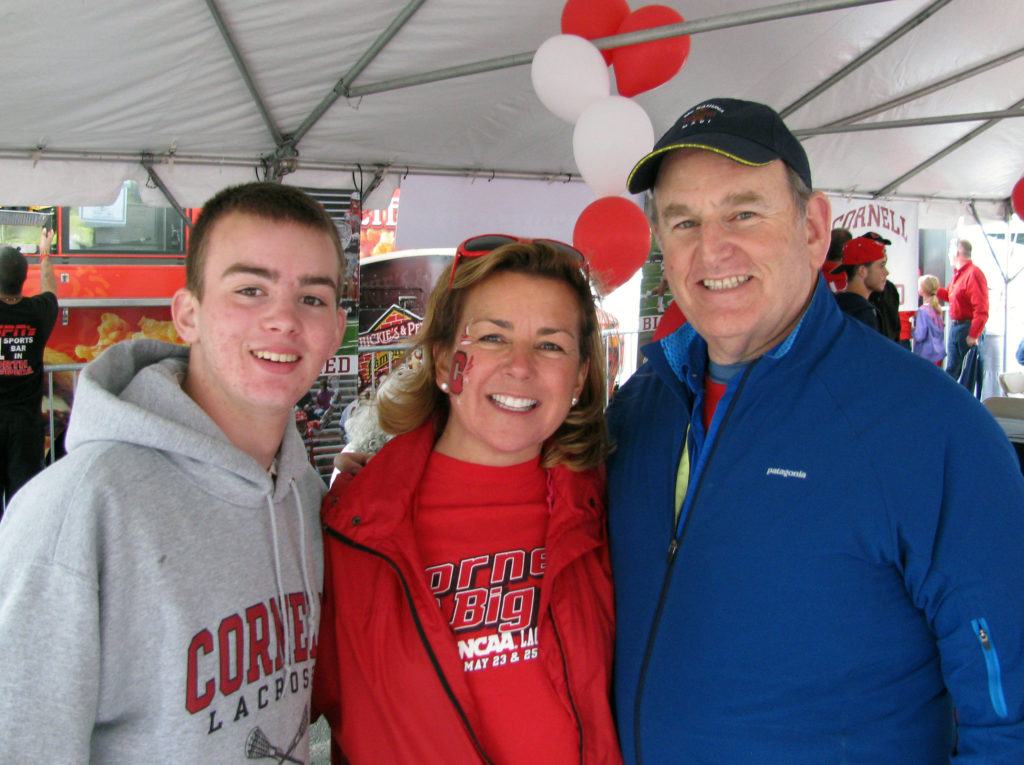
(967, 295)
(467, 607)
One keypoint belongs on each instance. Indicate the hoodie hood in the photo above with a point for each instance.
(132, 394)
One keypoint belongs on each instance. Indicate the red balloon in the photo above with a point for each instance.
(594, 18)
(1017, 197)
(644, 66)
(614, 235)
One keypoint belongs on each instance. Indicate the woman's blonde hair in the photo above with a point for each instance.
(929, 285)
(581, 441)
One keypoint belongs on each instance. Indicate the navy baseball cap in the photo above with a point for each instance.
(744, 131)
(874, 236)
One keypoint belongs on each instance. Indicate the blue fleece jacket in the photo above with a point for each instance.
(846, 568)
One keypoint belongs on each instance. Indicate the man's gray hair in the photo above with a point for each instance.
(801, 192)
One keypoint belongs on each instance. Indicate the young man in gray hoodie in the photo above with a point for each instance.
(159, 586)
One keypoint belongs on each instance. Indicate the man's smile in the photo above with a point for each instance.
(728, 283)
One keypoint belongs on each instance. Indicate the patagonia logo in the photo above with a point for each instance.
(785, 473)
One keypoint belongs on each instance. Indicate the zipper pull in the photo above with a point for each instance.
(673, 546)
(983, 637)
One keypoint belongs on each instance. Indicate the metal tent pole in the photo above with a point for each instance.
(948, 150)
(944, 119)
(725, 21)
(244, 70)
(342, 87)
(147, 162)
(866, 56)
(1002, 273)
(929, 89)
(202, 160)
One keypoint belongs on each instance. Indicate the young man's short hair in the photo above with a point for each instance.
(850, 271)
(13, 270)
(272, 201)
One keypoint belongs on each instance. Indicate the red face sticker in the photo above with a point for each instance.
(461, 364)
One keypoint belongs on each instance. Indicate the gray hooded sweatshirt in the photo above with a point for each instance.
(159, 590)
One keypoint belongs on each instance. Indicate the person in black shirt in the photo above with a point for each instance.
(887, 300)
(864, 266)
(25, 326)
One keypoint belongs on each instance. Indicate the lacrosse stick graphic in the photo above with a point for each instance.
(258, 746)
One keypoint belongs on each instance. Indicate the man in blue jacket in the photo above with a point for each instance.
(816, 536)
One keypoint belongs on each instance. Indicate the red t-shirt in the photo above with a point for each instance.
(481, 533)
(713, 393)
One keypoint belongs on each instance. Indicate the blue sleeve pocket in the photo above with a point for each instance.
(995, 680)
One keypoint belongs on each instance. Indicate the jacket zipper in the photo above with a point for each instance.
(673, 548)
(568, 684)
(995, 680)
(423, 637)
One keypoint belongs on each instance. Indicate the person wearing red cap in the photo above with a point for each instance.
(967, 295)
(834, 259)
(864, 266)
(886, 300)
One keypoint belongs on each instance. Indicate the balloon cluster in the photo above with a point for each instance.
(612, 132)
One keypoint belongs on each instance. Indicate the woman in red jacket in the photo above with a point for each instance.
(467, 613)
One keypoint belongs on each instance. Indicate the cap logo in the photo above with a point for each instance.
(701, 114)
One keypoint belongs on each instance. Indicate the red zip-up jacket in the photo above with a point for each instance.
(967, 296)
(388, 674)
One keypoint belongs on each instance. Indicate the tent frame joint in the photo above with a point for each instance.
(283, 161)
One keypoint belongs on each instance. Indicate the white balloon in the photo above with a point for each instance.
(569, 74)
(610, 137)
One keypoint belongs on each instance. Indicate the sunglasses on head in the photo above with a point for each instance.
(483, 244)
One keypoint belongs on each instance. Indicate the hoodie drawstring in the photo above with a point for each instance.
(304, 563)
(280, 590)
(311, 597)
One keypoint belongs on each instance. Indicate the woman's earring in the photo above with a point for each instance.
(444, 387)
(574, 401)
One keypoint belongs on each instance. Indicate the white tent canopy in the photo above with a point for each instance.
(94, 90)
